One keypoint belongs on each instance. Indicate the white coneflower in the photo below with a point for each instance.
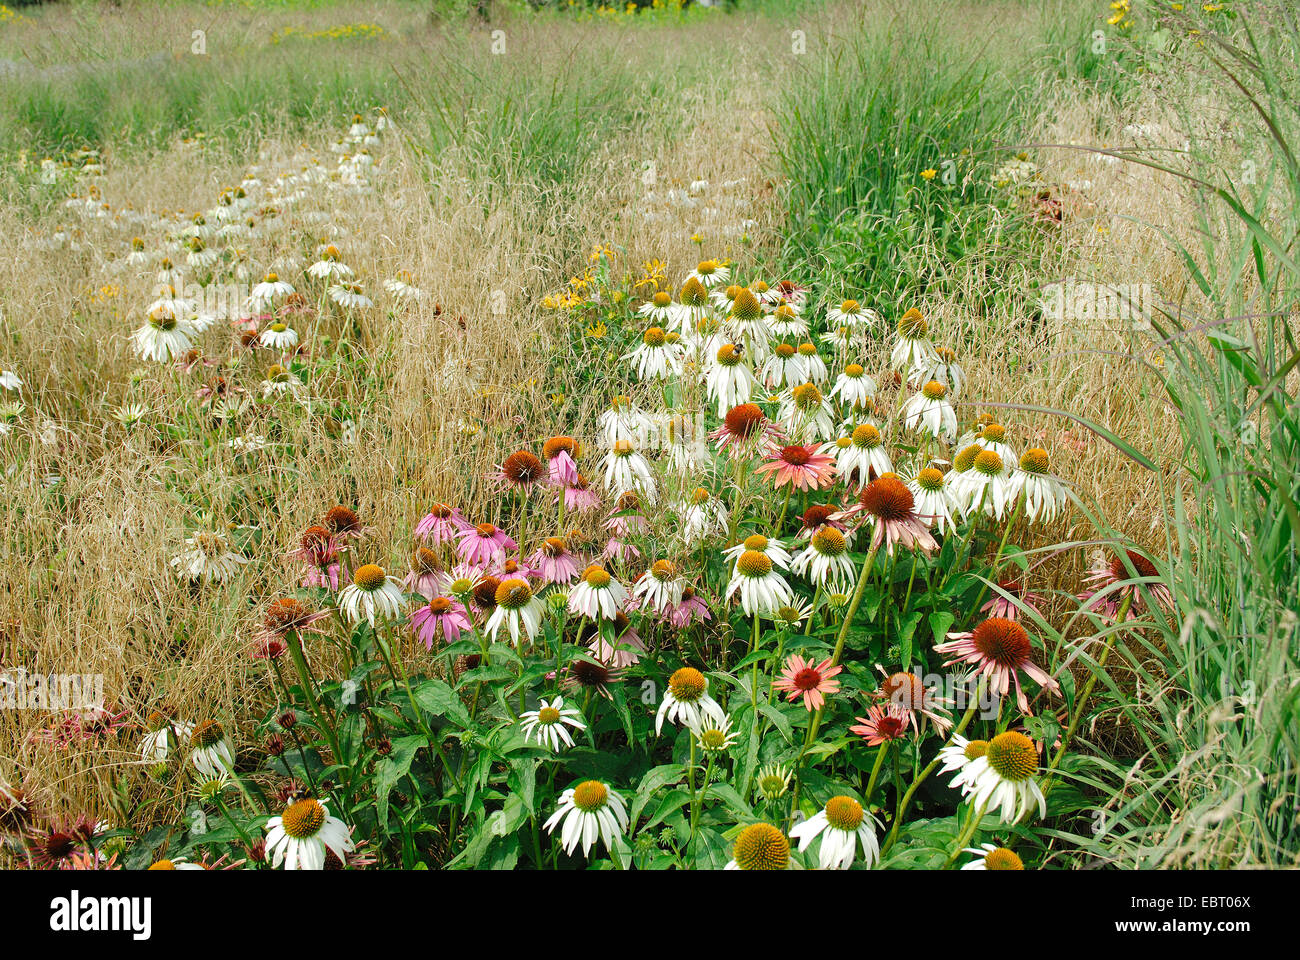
(723, 298)
(372, 594)
(264, 294)
(350, 296)
(853, 387)
(989, 856)
(786, 324)
(280, 381)
(703, 516)
(783, 368)
(957, 757)
(825, 562)
(169, 304)
(762, 590)
(774, 550)
(330, 266)
(597, 595)
(10, 380)
(299, 837)
(547, 724)
(516, 605)
(163, 338)
(658, 355)
(659, 588)
(760, 846)
(210, 749)
(944, 369)
(747, 326)
(693, 305)
(729, 380)
(163, 734)
(930, 411)
(207, 559)
(814, 367)
(912, 348)
(986, 486)
(278, 336)
(402, 287)
(1003, 779)
(625, 469)
(687, 701)
(659, 309)
(993, 436)
(1045, 495)
(200, 255)
(715, 737)
(129, 415)
(624, 422)
(587, 811)
(850, 313)
(710, 273)
(841, 824)
(806, 414)
(863, 457)
(933, 501)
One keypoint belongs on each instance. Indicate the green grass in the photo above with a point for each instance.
(892, 101)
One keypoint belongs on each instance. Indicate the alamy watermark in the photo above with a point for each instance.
(20, 690)
(1078, 300)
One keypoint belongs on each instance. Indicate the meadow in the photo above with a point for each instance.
(559, 436)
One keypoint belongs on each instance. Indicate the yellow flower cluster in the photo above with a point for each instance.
(347, 31)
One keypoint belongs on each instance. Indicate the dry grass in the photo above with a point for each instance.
(440, 392)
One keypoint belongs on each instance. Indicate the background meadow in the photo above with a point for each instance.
(960, 163)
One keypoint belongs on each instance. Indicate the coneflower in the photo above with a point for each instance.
(998, 650)
(746, 432)
(888, 505)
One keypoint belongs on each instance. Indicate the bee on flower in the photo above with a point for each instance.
(729, 381)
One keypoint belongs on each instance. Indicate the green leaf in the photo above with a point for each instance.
(390, 770)
(441, 701)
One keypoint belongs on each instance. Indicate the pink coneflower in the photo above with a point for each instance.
(817, 516)
(439, 614)
(908, 692)
(559, 453)
(998, 649)
(284, 616)
(800, 468)
(889, 507)
(882, 724)
(1009, 607)
(344, 523)
(519, 471)
(746, 432)
(801, 678)
(579, 497)
(688, 610)
(481, 544)
(593, 675)
(442, 524)
(626, 519)
(1104, 576)
(553, 561)
(626, 649)
(425, 575)
(319, 550)
(620, 550)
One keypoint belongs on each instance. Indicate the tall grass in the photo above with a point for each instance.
(891, 136)
(1216, 780)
